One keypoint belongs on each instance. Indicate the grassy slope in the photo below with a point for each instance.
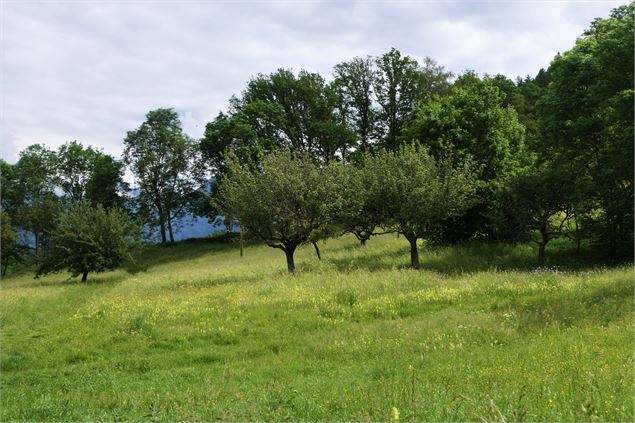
(197, 333)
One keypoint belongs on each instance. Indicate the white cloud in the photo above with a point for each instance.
(91, 71)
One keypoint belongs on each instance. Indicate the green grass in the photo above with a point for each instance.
(194, 332)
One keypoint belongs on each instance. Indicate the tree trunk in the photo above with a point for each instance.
(541, 253)
(290, 263)
(414, 253)
(317, 250)
(241, 242)
(37, 244)
(161, 222)
(612, 239)
(170, 228)
(577, 237)
(362, 242)
(85, 276)
(543, 243)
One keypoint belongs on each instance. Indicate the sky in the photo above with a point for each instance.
(91, 70)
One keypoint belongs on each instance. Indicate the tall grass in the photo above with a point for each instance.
(195, 332)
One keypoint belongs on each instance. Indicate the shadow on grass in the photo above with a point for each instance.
(605, 304)
(153, 255)
(480, 256)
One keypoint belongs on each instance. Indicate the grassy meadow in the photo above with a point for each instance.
(193, 331)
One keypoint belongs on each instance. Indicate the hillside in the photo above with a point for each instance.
(195, 332)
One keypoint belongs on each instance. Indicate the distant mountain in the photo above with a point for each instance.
(189, 226)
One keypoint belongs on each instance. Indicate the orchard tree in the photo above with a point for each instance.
(360, 211)
(89, 239)
(417, 193)
(283, 200)
(164, 162)
(471, 123)
(539, 201)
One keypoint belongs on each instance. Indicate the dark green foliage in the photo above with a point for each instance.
(84, 173)
(540, 202)
(587, 113)
(74, 168)
(31, 187)
(106, 185)
(165, 164)
(276, 111)
(354, 82)
(401, 83)
(11, 251)
(360, 212)
(472, 124)
(89, 239)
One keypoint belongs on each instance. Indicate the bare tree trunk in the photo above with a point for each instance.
(362, 242)
(577, 237)
(170, 228)
(317, 250)
(290, 263)
(162, 224)
(241, 241)
(414, 253)
(541, 253)
(543, 243)
(37, 244)
(85, 276)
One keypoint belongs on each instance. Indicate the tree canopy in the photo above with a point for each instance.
(89, 239)
(282, 200)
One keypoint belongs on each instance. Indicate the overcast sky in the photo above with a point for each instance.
(91, 70)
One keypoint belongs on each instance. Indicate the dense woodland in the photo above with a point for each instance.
(384, 144)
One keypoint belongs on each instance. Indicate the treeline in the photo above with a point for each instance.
(386, 137)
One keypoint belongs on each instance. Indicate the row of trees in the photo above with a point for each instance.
(288, 198)
(71, 201)
(553, 153)
(548, 156)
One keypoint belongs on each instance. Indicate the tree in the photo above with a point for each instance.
(89, 239)
(283, 200)
(280, 110)
(360, 210)
(471, 124)
(10, 250)
(417, 193)
(74, 167)
(587, 112)
(33, 188)
(106, 185)
(239, 134)
(164, 162)
(538, 201)
(12, 198)
(87, 173)
(401, 83)
(354, 81)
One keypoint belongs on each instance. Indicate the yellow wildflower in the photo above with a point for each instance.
(394, 414)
